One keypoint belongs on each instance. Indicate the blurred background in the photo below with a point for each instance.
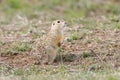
(57, 9)
(93, 36)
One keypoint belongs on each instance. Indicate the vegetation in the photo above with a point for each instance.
(91, 50)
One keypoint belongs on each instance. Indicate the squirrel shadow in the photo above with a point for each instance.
(65, 58)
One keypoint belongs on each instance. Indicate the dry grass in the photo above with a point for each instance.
(90, 51)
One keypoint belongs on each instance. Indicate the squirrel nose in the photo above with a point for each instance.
(65, 23)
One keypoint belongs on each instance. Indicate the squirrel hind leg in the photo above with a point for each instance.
(52, 53)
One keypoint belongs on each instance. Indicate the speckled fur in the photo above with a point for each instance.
(46, 47)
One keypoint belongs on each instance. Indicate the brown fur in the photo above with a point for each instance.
(46, 47)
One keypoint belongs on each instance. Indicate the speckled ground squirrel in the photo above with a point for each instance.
(46, 47)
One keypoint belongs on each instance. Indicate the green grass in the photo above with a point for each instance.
(74, 36)
(50, 73)
(22, 47)
(68, 11)
(88, 15)
(85, 54)
(15, 48)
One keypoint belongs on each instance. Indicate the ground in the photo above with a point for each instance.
(90, 51)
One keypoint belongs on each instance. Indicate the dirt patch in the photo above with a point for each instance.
(100, 49)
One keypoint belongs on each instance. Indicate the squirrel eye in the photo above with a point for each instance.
(58, 21)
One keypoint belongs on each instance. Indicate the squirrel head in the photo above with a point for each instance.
(58, 25)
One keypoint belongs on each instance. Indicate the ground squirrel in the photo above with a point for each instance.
(47, 45)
